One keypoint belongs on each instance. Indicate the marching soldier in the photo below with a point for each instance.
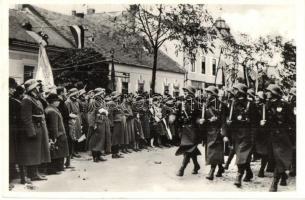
(213, 115)
(278, 120)
(240, 130)
(188, 119)
(262, 135)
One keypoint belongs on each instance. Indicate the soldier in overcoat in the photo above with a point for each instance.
(188, 119)
(57, 134)
(34, 139)
(278, 121)
(213, 125)
(239, 123)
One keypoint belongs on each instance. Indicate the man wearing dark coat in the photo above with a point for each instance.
(57, 134)
(34, 140)
(213, 126)
(278, 121)
(292, 130)
(188, 119)
(239, 123)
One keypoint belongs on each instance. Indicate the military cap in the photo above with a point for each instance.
(73, 92)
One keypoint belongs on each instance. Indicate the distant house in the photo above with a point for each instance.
(133, 69)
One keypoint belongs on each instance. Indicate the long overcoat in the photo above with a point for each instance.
(14, 128)
(73, 107)
(278, 118)
(33, 140)
(118, 123)
(57, 132)
(214, 146)
(190, 136)
(240, 131)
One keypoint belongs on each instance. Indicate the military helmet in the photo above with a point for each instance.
(242, 88)
(212, 89)
(190, 89)
(275, 89)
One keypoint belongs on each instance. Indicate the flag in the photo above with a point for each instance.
(43, 71)
(78, 33)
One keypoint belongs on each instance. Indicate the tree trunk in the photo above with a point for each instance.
(154, 71)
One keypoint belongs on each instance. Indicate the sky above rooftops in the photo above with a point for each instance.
(253, 19)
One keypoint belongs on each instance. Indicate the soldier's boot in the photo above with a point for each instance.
(210, 176)
(220, 171)
(249, 173)
(230, 157)
(186, 160)
(261, 173)
(273, 187)
(270, 166)
(283, 179)
(238, 179)
(196, 165)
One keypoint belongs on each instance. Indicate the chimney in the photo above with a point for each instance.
(90, 11)
(73, 12)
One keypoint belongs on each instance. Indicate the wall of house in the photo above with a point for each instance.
(17, 61)
(144, 74)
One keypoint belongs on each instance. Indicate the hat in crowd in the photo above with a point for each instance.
(81, 92)
(212, 89)
(260, 95)
(115, 95)
(12, 83)
(155, 99)
(251, 92)
(52, 97)
(293, 91)
(170, 102)
(98, 91)
(72, 115)
(30, 85)
(242, 88)
(73, 92)
(190, 89)
(139, 97)
(19, 90)
(107, 98)
(275, 89)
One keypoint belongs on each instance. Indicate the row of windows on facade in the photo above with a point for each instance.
(203, 66)
(29, 74)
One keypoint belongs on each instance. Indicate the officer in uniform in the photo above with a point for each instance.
(240, 132)
(188, 117)
(278, 120)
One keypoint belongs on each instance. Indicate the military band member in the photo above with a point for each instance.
(188, 119)
(278, 120)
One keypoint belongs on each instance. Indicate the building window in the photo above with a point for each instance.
(214, 67)
(140, 88)
(203, 66)
(193, 67)
(124, 87)
(28, 72)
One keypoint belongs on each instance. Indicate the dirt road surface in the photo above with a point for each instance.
(146, 171)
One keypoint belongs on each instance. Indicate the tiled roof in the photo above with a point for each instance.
(17, 17)
(103, 42)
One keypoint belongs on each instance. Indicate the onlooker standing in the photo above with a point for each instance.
(59, 149)
(34, 145)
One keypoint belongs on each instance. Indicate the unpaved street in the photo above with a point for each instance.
(143, 172)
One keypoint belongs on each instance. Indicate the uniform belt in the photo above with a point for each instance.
(38, 116)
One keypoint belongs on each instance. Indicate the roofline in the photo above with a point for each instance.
(15, 44)
(144, 66)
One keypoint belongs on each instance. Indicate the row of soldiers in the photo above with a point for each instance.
(262, 124)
